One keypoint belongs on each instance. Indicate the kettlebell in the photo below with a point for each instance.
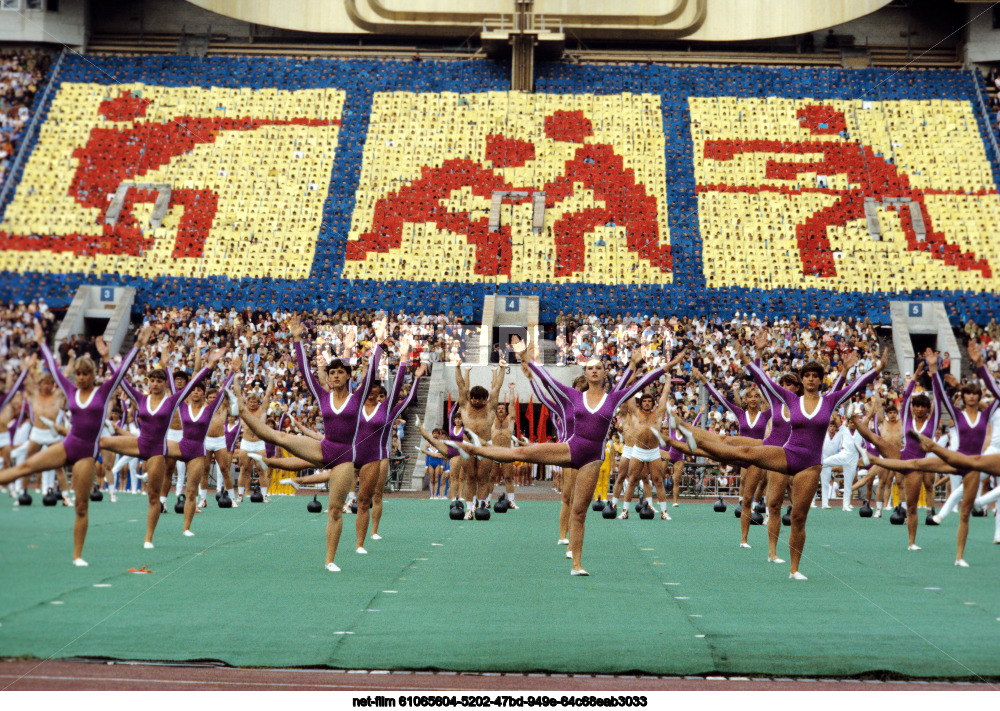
(756, 519)
(898, 517)
(609, 511)
(786, 520)
(179, 506)
(929, 521)
(501, 505)
(738, 510)
(647, 512)
(218, 495)
(866, 510)
(224, 501)
(354, 506)
(314, 506)
(598, 505)
(457, 511)
(24, 499)
(760, 507)
(978, 513)
(50, 498)
(96, 494)
(720, 506)
(483, 512)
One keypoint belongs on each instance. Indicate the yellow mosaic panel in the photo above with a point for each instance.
(755, 205)
(253, 166)
(532, 142)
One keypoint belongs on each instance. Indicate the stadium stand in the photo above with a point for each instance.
(297, 183)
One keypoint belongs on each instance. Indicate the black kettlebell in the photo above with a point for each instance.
(647, 512)
(50, 498)
(96, 494)
(24, 499)
(224, 501)
(720, 506)
(898, 517)
(866, 510)
(457, 511)
(609, 511)
(483, 512)
(786, 519)
(501, 505)
(598, 505)
(179, 506)
(314, 506)
(257, 497)
(929, 521)
(756, 519)
(760, 507)
(354, 506)
(218, 495)
(738, 510)
(978, 513)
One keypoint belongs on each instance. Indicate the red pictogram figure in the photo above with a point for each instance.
(596, 166)
(112, 156)
(870, 175)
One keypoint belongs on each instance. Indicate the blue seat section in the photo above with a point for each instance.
(361, 79)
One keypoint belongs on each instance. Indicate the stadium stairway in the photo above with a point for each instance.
(412, 438)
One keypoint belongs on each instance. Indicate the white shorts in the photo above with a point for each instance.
(255, 447)
(214, 444)
(4, 438)
(174, 435)
(991, 450)
(646, 455)
(627, 452)
(43, 436)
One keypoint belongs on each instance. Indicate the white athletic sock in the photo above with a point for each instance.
(663, 506)
(878, 505)
(241, 490)
(625, 506)
(163, 499)
(202, 492)
(510, 497)
(996, 527)
(614, 500)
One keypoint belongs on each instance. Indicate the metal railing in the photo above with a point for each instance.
(512, 23)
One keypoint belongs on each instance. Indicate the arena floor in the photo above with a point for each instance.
(665, 598)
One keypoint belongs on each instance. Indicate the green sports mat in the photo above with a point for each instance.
(664, 597)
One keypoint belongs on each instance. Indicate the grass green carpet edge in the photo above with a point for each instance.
(665, 598)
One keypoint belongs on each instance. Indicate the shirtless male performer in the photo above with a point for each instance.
(646, 462)
(478, 407)
(46, 402)
(252, 443)
(502, 432)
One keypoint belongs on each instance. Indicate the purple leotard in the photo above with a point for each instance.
(154, 423)
(911, 449)
(339, 426)
(804, 447)
(233, 435)
(677, 455)
(588, 429)
(195, 426)
(455, 434)
(971, 434)
(753, 430)
(83, 440)
(371, 441)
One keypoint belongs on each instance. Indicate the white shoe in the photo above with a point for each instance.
(812, 505)
(827, 507)
(474, 438)
(623, 515)
(744, 545)
(569, 554)
(689, 439)
(189, 534)
(878, 514)
(512, 505)
(292, 483)
(376, 537)
(674, 505)
(996, 540)
(671, 420)
(114, 499)
(848, 508)
(913, 547)
(797, 576)
(257, 458)
(581, 571)
(849, 412)
(148, 545)
(866, 460)
(961, 563)
(775, 559)
(81, 563)
(360, 551)
(332, 567)
(937, 518)
(659, 439)
(664, 516)
(201, 504)
(562, 542)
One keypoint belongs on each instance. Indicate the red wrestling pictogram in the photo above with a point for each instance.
(595, 167)
(112, 156)
(870, 176)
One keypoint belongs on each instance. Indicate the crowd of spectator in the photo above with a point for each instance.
(21, 75)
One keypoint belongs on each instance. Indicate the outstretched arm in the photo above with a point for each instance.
(463, 385)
